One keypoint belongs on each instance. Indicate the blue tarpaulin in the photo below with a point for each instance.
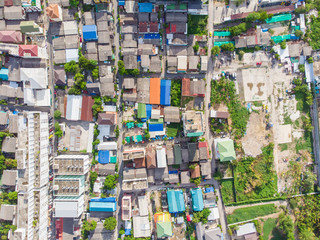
(152, 36)
(4, 73)
(90, 33)
(165, 88)
(175, 201)
(145, 7)
(148, 110)
(209, 189)
(155, 127)
(103, 156)
(121, 2)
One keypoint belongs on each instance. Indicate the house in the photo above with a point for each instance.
(145, 63)
(177, 154)
(173, 178)
(214, 214)
(193, 152)
(143, 206)
(4, 117)
(155, 90)
(10, 37)
(195, 172)
(295, 50)
(163, 225)
(165, 87)
(54, 12)
(70, 28)
(155, 64)
(93, 88)
(142, 113)
(28, 50)
(130, 62)
(193, 63)
(170, 157)
(9, 145)
(172, 64)
(143, 90)
(206, 169)
(185, 177)
(141, 227)
(199, 230)
(197, 88)
(151, 157)
(203, 151)
(126, 208)
(182, 64)
(129, 87)
(8, 212)
(175, 201)
(135, 179)
(213, 234)
(247, 230)
(197, 199)
(193, 123)
(224, 150)
(240, 42)
(68, 206)
(107, 118)
(171, 114)
(203, 63)
(105, 169)
(59, 76)
(9, 178)
(14, 13)
(161, 157)
(219, 114)
(90, 33)
(103, 204)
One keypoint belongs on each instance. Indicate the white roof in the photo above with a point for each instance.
(182, 62)
(66, 209)
(155, 113)
(74, 104)
(107, 146)
(39, 98)
(161, 157)
(302, 23)
(309, 72)
(35, 78)
(143, 205)
(141, 227)
(104, 131)
(214, 214)
(72, 54)
(109, 108)
(70, 28)
(246, 229)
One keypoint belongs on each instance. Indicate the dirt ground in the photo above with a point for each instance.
(256, 136)
(179, 231)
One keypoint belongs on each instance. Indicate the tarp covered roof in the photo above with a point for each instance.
(175, 201)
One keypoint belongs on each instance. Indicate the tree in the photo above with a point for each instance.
(74, 91)
(86, 64)
(110, 223)
(110, 182)
(10, 163)
(93, 178)
(237, 30)
(283, 45)
(72, 67)
(277, 56)
(286, 226)
(57, 114)
(298, 33)
(301, 68)
(196, 47)
(263, 15)
(121, 68)
(310, 60)
(215, 51)
(95, 73)
(74, 3)
(241, 54)
(253, 17)
(307, 234)
(308, 181)
(135, 72)
(201, 216)
(13, 196)
(57, 130)
(227, 47)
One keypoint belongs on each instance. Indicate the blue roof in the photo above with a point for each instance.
(148, 110)
(175, 201)
(155, 127)
(4, 73)
(165, 88)
(121, 2)
(152, 36)
(104, 156)
(102, 206)
(90, 33)
(108, 199)
(145, 7)
(197, 199)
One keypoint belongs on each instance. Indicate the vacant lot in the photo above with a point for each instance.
(197, 24)
(248, 213)
(227, 191)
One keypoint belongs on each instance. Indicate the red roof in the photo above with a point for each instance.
(8, 3)
(204, 145)
(86, 110)
(185, 87)
(143, 27)
(28, 50)
(172, 28)
(154, 27)
(10, 36)
(59, 228)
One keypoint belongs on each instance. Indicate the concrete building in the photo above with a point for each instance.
(71, 164)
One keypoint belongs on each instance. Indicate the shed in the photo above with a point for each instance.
(90, 33)
(246, 229)
(103, 204)
(171, 114)
(213, 234)
(9, 178)
(175, 201)
(197, 199)
(165, 98)
(141, 227)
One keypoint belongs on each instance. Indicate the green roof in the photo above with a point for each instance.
(181, 6)
(279, 18)
(28, 26)
(138, 138)
(278, 39)
(226, 151)
(113, 159)
(222, 34)
(142, 113)
(156, 121)
(177, 154)
(164, 229)
(130, 125)
(128, 139)
(194, 134)
(221, 43)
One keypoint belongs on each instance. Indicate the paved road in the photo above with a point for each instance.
(315, 134)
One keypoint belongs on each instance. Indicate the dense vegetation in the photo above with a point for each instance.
(110, 223)
(255, 178)
(175, 93)
(223, 91)
(123, 71)
(286, 226)
(197, 24)
(227, 191)
(201, 216)
(314, 35)
(111, 181)
(173, 129)
(248, 213)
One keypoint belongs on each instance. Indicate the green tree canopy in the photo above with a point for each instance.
(110, 223)
(228, 47)
(57, 114)
(253, 17)
(121, 68)
(215, 51)
(110, 182)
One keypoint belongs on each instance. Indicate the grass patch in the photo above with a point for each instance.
(287, 119)
(302, 105)
(270, 229)
(304, 143)
(176, 93)
(173, 129)
(283, 147)
(257, 104)
(227, 191)
(197, 24)
(315, 33)
(297, 123)
(255, 178)
(247, 213)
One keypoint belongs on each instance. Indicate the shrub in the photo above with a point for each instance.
(310, 60)
(283, 45)
(298, 33)
(215, 51)
(110, 223)
(57, 114)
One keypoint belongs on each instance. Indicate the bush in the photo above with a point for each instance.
(57, 130)
(283, 45)
(253, 17)
(74, 3)
(175, 93)
(277, 56)
(110, 182)
(228, 47)
(196, 47)
(298, 33)
(310, 60)
(72, 67)
(215, 51)
(286, 226)
(201, 216)
(237, 30)
(110, 223)
(57, 114)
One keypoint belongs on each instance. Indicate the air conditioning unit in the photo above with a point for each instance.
(55, 187)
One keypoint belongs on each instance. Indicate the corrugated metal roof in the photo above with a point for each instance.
(155, 90)
(165, 92)
(74, 104)
(197, 199)
(175, 201)
(86, 110)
